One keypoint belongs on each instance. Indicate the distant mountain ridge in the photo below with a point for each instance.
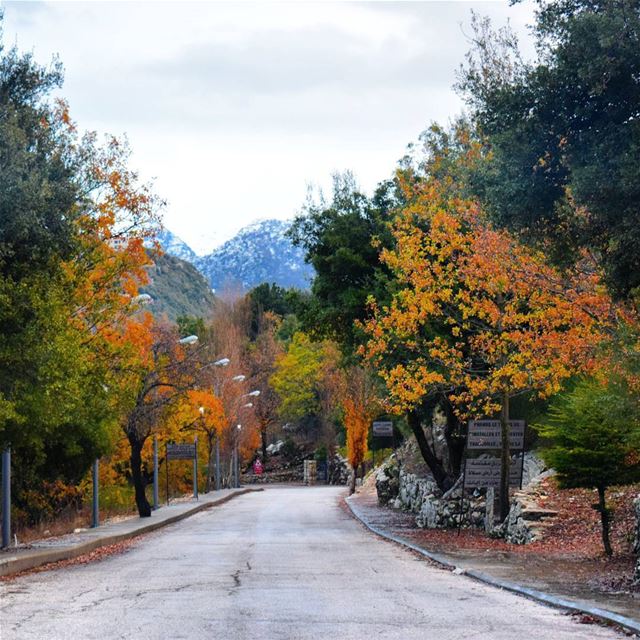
(177, 288)
(175, 246)
(260, 252)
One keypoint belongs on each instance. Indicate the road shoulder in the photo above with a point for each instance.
(52, 550)
(364, 508)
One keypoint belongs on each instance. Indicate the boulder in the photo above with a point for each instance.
(339, 470)
(387, 481)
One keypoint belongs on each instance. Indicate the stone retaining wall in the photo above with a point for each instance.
(407, 491)
(433, 510)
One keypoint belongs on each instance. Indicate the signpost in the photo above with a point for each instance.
(487, 434)
(183, 451)
(381, 429)
(485, 472)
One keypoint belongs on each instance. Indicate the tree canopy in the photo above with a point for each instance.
(563, 131)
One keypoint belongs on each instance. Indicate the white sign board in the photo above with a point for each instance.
(383, 429)
(485, 473)
(487, 434)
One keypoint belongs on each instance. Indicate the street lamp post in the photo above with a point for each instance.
(223, 362)
(236, 463)
(236, 471)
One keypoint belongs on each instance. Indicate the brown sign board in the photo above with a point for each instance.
(181, 451)
(383, 429)
(484, 473)
(487, 434)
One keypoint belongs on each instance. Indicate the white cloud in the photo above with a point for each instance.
(235, 107)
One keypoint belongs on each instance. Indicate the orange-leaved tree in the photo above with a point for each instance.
(203, 412)
(479, 316)
(361, 404)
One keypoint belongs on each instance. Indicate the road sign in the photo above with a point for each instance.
(383, 429)
(485, 473)
(487, 434)
(181, 451)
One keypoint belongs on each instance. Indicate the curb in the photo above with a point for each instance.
(11, 566)
(575, 606)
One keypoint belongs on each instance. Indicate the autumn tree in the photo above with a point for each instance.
(361, 404)
(478, 316)
(159, 374)
(72, 224)
(201, 412)
(228, 341)
(296, 376)
(262, 354)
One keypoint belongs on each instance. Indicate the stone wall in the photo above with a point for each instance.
(420, 495)
(339, 470)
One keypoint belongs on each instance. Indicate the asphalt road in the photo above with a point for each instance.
(287, 563)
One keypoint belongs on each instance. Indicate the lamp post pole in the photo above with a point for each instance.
(236, 462)
(95, 519)
(156, 499)
(223, 362)
(195, 468)
(236, 470)
(6, 497)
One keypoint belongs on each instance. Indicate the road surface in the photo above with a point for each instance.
(285, 564)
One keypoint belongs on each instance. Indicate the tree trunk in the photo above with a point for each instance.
(605, 519)
(210, 439)
(139, 483)
(443, 480)
(505, 459)
(352, 484)
(263, 438)
(453, 436)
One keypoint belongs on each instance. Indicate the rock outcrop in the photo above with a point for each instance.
(418, 493)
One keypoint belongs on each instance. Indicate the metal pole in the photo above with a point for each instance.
(217, 463)
(166, 469)
(522, 454)
(95, 516)
(6, 497)
(195, 469)
(235, 459)
(156, 497)
(235, 466)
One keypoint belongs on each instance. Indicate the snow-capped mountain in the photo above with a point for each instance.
(258, 253)
(174, 246)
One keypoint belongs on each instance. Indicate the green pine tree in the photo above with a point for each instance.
(594, 432)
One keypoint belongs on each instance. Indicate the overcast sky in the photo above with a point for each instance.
(234, 108)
